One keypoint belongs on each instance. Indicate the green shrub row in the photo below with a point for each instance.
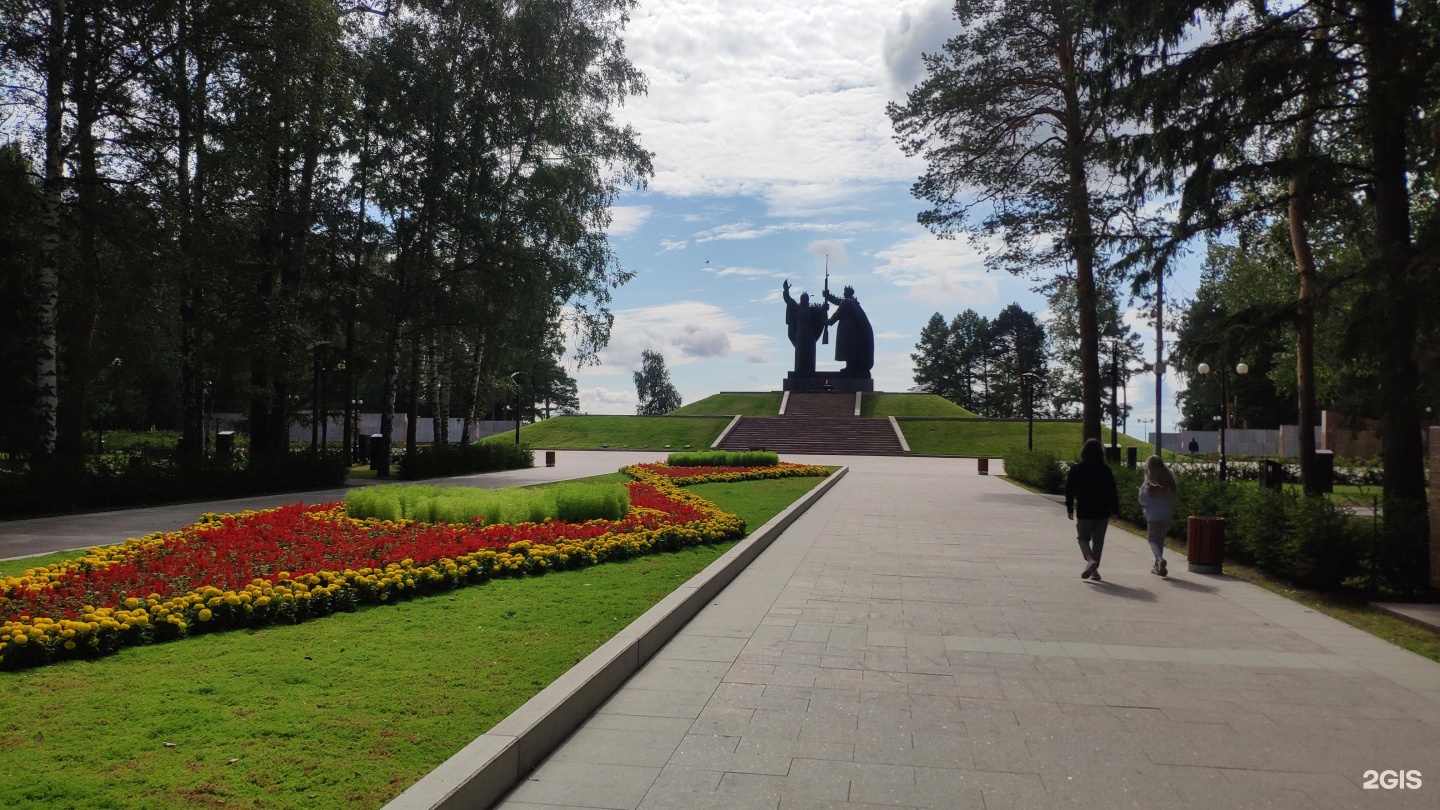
(141, 481)
(724, 458)
(1306, 541)
(574, 503)
(438, 460)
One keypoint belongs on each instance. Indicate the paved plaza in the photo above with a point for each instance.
(922, 638)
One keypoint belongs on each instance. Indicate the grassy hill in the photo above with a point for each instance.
(910, 405)
(731, 402)
(597, 432)
(994, 439)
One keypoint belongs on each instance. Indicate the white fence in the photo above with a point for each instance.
(1281, 443)
(300, 429)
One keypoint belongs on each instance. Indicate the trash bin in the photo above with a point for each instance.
(549, 458)
(1272, 474)
(1325, 469)
(379, 450)
(1112, 453)
(1131, 457)
(224, 443)
(1205, 544)
(982, 466)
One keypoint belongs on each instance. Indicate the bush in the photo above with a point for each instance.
(723, 458)
(138, 480)
(438, 460)
(1259, 530)
(1037, 468)
(573, 502)
(1324, 547)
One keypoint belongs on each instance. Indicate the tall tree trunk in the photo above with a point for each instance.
(474, 387)
(1081, 237)
(1387, 114)
(47, 279)
(391, 387)
(1304, 316)
(436, 412)
(81, 315)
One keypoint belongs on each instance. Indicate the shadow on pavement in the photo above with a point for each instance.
(1187, 585)
(1125, 592)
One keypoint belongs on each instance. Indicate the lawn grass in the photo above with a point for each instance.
(728, 404)
(995, 439)
(910, 405)
(598, 432)
(344, 711)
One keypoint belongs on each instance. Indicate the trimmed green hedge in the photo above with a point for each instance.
(1307, 541)
(724, 458)
(138, 479)
(573, 503)
(438, 460)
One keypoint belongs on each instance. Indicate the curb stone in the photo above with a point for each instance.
(486, 769)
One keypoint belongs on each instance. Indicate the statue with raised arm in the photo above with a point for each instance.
(855, 338)
(804, 322)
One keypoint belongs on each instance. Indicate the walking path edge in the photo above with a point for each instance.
(483, 771)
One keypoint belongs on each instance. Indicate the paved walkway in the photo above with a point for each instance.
(24, 538)
(921, 638)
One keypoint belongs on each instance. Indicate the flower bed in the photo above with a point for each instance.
(685, 476)
(298, 562)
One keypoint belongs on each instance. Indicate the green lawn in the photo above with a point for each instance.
(994, 439)
(729, 404)
(597, 432)
(344, 711)
(910, 405)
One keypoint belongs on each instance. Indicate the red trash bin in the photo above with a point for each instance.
(982, 465)
(1205, 544)
(549, 458)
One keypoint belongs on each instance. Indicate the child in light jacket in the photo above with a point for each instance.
(1157, 498)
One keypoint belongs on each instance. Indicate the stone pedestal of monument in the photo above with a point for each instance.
(829, 381)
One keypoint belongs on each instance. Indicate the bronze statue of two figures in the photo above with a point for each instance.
(854, 342)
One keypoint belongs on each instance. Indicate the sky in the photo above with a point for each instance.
(773, 150)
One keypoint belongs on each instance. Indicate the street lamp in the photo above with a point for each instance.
(513, 375)
(1240, 368)
(315, 371)
(1030, 378)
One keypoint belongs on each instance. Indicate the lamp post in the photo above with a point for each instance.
(315, 371)
(1115, 398)
(513, 375)
(1145, 426)
(1030, 378)
(1240, 368)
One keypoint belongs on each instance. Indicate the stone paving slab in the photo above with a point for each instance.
(921, 638)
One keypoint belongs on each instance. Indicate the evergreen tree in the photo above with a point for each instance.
(1011, 122)
(933, 372)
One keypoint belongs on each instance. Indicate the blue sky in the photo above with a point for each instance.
(772, 149)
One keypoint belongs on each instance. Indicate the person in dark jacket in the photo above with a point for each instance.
(1091, 500)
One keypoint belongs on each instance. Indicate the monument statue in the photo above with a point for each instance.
(804, 322)
(855, 338)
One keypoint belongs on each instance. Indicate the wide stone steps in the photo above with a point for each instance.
(815, 434)
(836, 405)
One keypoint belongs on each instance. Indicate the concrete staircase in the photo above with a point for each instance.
(816, 423)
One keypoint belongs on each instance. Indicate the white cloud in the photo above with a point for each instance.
(832, 248)
(745, 272)
(736, 231)
(626, 220)
(922, 28)
(772, 297)
(784, 102)
(892, 336)
(683, 331)
(667, 245)
(938, 271)
(605, 400)
(757, 357)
